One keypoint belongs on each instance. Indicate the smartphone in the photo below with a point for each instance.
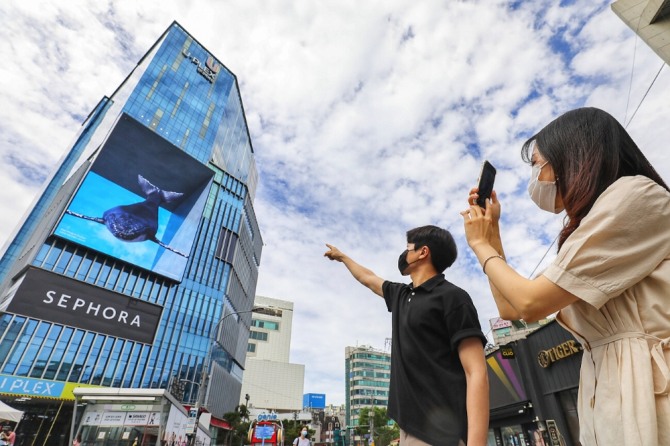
(486, 180)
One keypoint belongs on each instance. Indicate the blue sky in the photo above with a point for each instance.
(367, 118)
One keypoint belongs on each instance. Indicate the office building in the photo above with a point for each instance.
(271, 381)
(139, 259)
(367, 379)
(649, 19)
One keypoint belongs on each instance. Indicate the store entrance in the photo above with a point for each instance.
(45, 422)
(118, 436)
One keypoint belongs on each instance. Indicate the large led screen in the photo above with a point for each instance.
(141, 201)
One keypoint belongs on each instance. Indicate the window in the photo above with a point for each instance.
(251, 348)
(268, 325)
(258, 335)
(225, 248)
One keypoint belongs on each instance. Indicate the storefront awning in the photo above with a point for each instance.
(221, 424)
(511, 410)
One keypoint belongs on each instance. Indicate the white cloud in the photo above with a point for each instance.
(367, 118)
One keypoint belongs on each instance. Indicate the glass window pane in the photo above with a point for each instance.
(87, 372)
(57, 353)
(78, 367)
(68, 358)
(103, 357)
(19, 353)
(47, 348)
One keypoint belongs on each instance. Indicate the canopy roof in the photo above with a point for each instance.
(9, 413)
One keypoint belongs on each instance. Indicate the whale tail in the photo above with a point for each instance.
(149, 190)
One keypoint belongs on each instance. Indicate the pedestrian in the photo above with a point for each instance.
(11, 436)
(302, 440)
(610, 281)
(439, 390)
(77, 440)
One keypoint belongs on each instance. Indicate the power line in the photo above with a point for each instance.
(645, 94)
(630, 84)
(530, 276)
(545, 255)
(632, 70)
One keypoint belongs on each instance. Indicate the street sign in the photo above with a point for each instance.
(191, 425)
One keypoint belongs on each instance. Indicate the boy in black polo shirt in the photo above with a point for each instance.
(439, 392)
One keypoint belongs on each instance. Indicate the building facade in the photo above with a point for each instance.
(367, 380)
(271, 381)
(649, 19)
(504, 332)
(141, 245)
(533, 385)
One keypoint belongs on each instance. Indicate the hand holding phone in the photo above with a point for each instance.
(487, 177)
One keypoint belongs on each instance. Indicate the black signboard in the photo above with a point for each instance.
(507, 352)
(55, 298)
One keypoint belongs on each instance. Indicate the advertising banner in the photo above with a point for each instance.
(506, 385)
(142, 419)
(176, 428)
(141, 202)
(314, 400)
(35, 387)
(55, 298)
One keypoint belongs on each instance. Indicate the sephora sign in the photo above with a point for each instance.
(52, 297)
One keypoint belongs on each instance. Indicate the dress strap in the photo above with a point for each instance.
(660, 366)
(616, 337)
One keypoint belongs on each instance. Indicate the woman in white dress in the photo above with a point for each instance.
(610, 281)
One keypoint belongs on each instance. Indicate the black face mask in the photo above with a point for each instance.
(402, 262)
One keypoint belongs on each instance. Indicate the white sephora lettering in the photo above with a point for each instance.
(90, 308)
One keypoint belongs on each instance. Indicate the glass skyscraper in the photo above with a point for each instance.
(142, 248)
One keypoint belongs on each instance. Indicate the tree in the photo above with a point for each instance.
(383, 433)
(240, 428)
(244, 411)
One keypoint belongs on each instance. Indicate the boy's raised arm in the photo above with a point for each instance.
(360, 273)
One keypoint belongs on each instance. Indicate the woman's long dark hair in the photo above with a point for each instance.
(588, 150)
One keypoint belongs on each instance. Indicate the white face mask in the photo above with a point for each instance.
(543, 193)
(304, 433)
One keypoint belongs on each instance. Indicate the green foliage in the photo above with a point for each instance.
(239, 421)
(383, 433)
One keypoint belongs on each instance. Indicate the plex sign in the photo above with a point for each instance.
(52, 297)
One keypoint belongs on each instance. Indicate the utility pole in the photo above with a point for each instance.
(372, 425)
(372, 419)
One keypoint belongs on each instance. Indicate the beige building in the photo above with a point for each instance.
(505, 332)
(270, 380)
(650, 19)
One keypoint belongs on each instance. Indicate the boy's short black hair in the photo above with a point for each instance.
(442, 246)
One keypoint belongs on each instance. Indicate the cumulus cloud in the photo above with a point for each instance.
(367, 119)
